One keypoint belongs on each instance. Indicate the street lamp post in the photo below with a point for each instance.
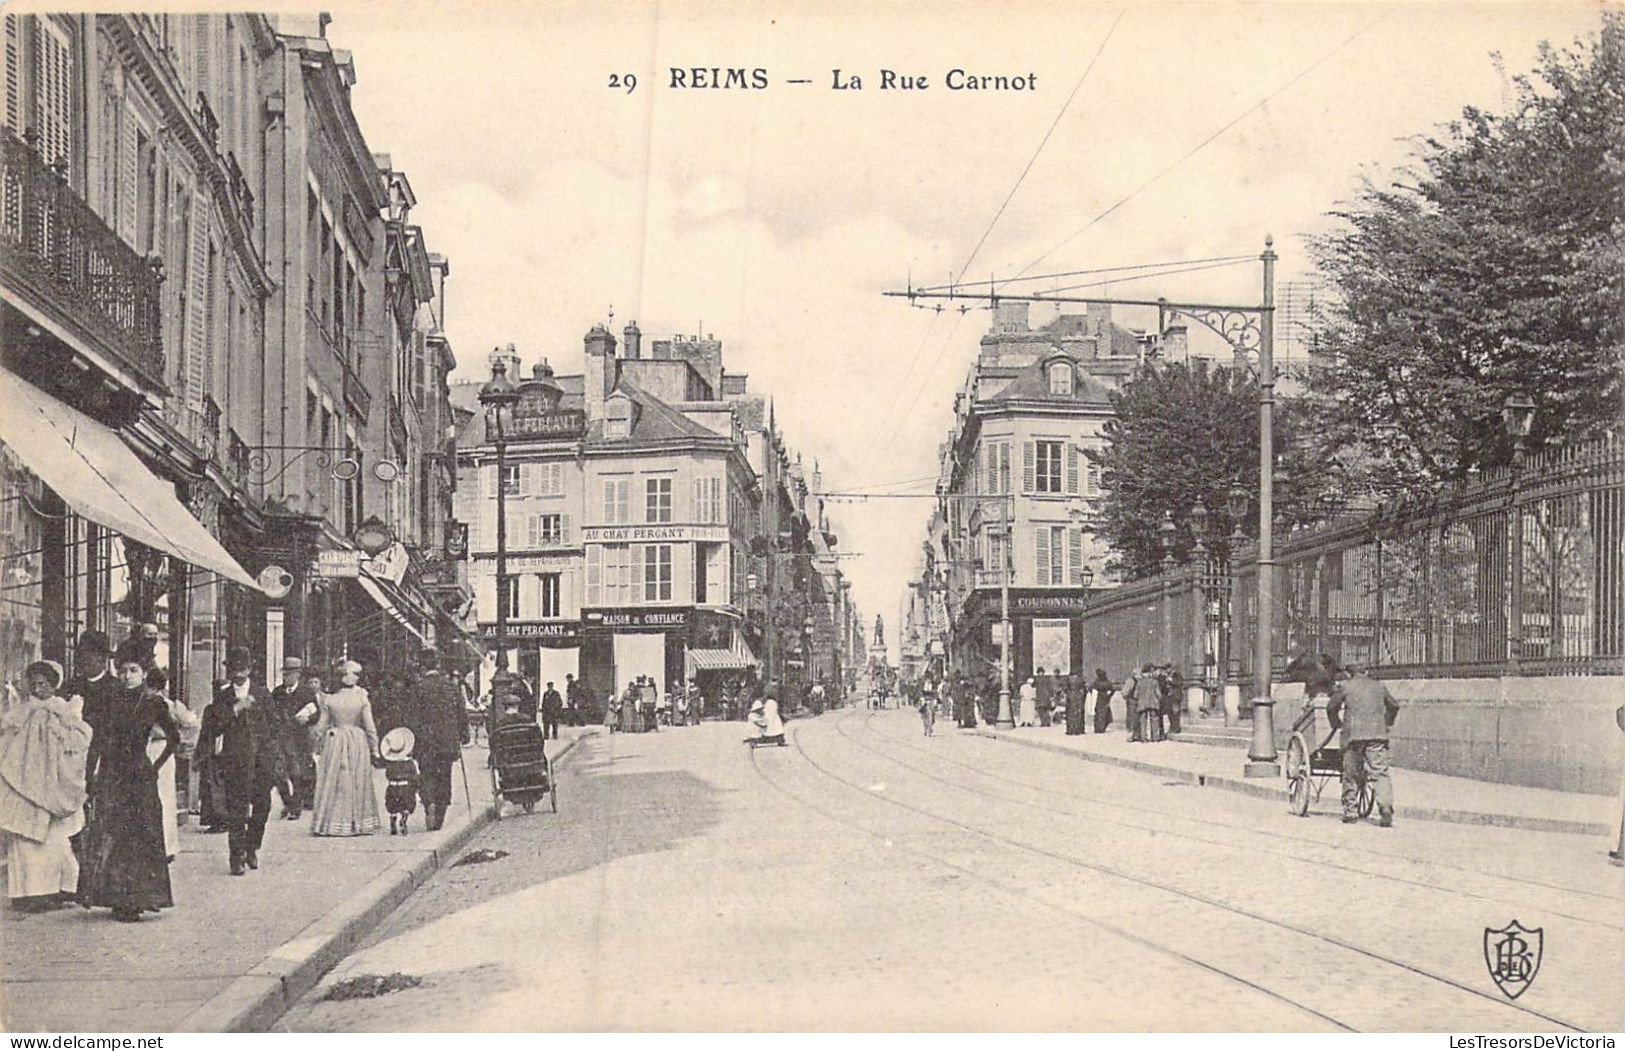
(1261, 756)
(1236, 505)
(1006, 719)
(496, 395)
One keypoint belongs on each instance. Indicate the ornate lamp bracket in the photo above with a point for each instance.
(261, 461)
(1239, 328)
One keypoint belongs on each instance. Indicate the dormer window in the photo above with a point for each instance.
(1060, 378)
(618, 418)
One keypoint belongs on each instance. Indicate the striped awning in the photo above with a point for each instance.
(737, 657)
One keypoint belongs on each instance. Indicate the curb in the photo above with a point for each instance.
(254, 1002)
(1273, 790)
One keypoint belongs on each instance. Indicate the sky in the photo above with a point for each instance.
(776, 219)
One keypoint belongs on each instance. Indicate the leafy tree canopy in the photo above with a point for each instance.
(1495, 266)
(1184, 435)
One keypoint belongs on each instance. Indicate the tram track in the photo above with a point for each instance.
(1253, 848)
(1132, 878)
(829, 815)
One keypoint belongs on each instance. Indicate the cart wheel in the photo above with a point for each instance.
(496, 792)
(1297, 775)
(529, 805)
(552, 788)
(1368, 798)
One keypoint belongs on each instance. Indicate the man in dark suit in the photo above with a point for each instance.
(239, 739)
(552, 712)
(439, 723)
(1365, 710)
(293, 712)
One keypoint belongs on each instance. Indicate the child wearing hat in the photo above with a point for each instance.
(401, 773)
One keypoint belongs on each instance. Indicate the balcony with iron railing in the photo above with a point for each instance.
(356, 395)
(60, 258)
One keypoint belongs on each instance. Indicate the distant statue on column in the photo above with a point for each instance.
(880, 630)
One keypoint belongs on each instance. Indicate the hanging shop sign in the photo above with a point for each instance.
(341, 563)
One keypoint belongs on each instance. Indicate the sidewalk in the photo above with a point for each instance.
(234, 952)
(1418, 795)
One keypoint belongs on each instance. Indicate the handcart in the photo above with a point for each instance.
(1308, 771)
(521, 771)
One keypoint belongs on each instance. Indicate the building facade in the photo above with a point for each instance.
(1018, 486)
(190, 266)
(637, 537)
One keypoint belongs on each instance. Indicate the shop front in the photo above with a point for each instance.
(622, 644)
(541, 651)
(1046, 632)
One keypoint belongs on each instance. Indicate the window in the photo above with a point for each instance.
(508, 597)
(547, 479)
(617, 492)
(657, 573)
(995, 467)
(1094, 478)
(657, 500)
(551, 606)
(146, 201)
(510, 479)
(618, 419)
(1047, 476)
(326, 245)
(1060, 378)
(1049, 549)
(708, 501)
(546, 530)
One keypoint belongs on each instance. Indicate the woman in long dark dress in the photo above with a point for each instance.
(123, 866)
(1104, 688)
(1075, 693)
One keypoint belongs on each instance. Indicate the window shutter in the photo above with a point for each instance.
(1074, 544)
(530, 595)
(53, 90)
(197, 357)
(14, 86)
(1071, 468)
(489, 473)
(980, 470)
(1041, 552)
(595, 567)
(129, 175)
(1029, 467)
(564, 528)
(533, 531)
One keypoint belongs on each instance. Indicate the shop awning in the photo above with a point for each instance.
(375, 589)
(88, 465)
(736, 658)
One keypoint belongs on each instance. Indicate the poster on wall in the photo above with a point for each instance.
(1052, 645)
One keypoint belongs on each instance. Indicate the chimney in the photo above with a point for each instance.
(1011, 316)
(1100, 321)
(1176, 343)
(600, 372)
(634, 341)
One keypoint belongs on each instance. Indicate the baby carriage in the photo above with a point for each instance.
(521, 771)
(1307, 771)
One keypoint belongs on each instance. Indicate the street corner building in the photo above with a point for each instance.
(654, 525)
(224, 390)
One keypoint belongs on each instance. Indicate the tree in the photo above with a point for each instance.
(1497, 268)
(1184, 435)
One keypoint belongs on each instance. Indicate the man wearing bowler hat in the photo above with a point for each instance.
(293, 711)
(439, 725)
(239, 738)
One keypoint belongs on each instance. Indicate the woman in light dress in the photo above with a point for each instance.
(346, 797)
(1029, 704)
(43, 746)
(189, 725)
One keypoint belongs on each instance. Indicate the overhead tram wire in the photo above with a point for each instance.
(1127, 280)
(1261, 103)
(971, 285)
(907, 372)
(1042, 143)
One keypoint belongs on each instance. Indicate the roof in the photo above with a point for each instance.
(1032, 385)
(656, 421)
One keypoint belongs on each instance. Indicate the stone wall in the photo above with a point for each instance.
(1553, 732)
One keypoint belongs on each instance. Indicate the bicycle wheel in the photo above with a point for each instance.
(1298, 789)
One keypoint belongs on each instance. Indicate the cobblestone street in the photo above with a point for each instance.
(865, 877)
